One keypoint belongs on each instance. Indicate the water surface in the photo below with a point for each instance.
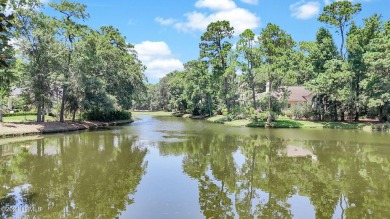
(164, 167)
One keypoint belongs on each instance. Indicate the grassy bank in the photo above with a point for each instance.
(289, 123)
(17, 129)
(29, 118)
(151, 113)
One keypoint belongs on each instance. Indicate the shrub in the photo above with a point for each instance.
(107, 116)
(263, 116)
(288, 113)
(20, 114)
(300, 111)
(276, 105)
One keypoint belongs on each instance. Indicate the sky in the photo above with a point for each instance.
(167, 33)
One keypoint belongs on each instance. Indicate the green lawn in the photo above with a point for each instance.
(344, 125)
(288, 123)
(30, 118)
(241, 122)
(216, 119)
(152, 113)
(280, 123)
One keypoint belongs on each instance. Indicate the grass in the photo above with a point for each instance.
(280, 123)
(30, 118)
(152, 113)
(343, 125)
(241, 122)
(287, 123)
(217, 119)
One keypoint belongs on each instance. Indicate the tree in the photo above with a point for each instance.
(6, 54)
(69, 31)
(377, 83)
(198, 90)
(5, 35)
(39, 49)
(215, 49)
(246, 47)
(277, 48)
(322, 51)
(339, 14)
(357, 41)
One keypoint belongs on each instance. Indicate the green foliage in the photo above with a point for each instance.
(263, 116)
(276, 104)
(20, 114)
(343, 125)
(339, 14)
(300, 111)
(377, 82)
(215, 49)
(69, 64)
(277, 50)
(107, 116)
(288, 113)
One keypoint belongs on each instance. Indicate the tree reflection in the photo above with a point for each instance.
(238, 176)
(341, 179)
(87, 175)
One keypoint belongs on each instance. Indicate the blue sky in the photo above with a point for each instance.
(167, 33)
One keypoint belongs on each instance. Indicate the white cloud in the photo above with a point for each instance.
(158, 59)
(328, 2)
(158, 68)
(305, 10)
(217, 5)
(163, 21)
(240, 18)
(251, 2)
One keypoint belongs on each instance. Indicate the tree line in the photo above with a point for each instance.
(350, 80)
(63, 65)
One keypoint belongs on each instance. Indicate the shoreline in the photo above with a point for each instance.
(286, 123)
(11, 130)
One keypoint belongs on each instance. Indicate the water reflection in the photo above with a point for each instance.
(91, 175)
(340, 179)
(226, 172)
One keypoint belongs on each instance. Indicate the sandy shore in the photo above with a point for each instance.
(13, 130)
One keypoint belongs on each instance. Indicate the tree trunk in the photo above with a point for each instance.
(269, 119)
(39, 114)
(357, 101)
(74, 116)
(227, 101)
(43, 113)
(209, 105)
(62, 117)
(342, 111)
(254, 97)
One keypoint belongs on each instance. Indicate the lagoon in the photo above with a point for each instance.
(167, 167)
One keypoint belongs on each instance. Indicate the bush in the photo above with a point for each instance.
(300, 111)
(276, 104)
(288, 113)
(263, 116)
(107, 116)
(20, 114)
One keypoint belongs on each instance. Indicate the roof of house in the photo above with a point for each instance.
(16, 91)
(298, 93)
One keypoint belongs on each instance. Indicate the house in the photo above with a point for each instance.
(296, 151)
(295, 95)
(299, 95)
(14, 93)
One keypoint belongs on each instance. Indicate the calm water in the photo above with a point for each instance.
(163, 167)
